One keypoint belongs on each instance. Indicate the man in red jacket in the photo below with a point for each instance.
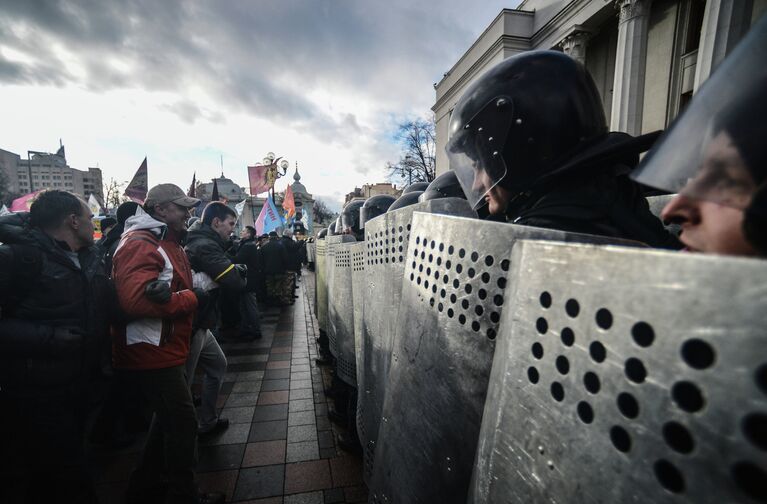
(153, 280)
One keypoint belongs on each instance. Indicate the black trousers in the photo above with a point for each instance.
(171, 447)
(42, 456)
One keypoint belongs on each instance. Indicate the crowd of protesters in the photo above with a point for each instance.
(124, 323)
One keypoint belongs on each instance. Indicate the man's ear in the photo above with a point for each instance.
(74, 221)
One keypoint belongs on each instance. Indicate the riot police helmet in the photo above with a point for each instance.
(715, 153)
(350, 218)
(415, 186)
(406, 199)
(332, 228)
(521, 122)
(446, 185)
(321, 235)
(375, 206)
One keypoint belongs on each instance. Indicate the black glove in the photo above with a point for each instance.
(202, 297)
(158, 292)
(242, 270)
(65, 341)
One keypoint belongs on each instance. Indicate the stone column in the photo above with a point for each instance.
(725, 22)
(575, 43)
(630, 61)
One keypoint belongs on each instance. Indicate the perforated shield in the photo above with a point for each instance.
(321, 290)
(627, 376)
(358, 297)
(387, 239)
(452, 296)
(310, 252)
(341, 314)
(335, 297)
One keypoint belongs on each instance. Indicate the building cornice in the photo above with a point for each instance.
(560, 20)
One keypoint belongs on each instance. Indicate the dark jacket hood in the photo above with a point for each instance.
(201, 231)
(15, 229)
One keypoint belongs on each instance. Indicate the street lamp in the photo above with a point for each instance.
(275, 170)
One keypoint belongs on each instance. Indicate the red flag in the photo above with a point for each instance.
(258, 180)
(192, 188)
(214, 196)
(23, 203)
(137, 188)
(289, 203)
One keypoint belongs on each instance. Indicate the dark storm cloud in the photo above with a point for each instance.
(259, 57)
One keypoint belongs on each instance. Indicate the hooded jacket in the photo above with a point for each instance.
(156, 335)
(44, 286)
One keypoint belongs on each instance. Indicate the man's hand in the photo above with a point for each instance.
(242, 270)
(158, 292)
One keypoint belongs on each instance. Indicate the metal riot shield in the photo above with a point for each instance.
(341, 313)
(321, 285)
(626, 375)
(453, 292)
(333, 244)
(386, 247)
(358, 303)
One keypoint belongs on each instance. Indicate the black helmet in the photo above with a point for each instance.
(406, 199)
(332, 228)
(321, 235)
(375, 206)
(444, 186)
(521, 121)
(416, 186)
(350, 218)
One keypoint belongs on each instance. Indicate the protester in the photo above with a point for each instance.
(53, 326)
(275, 266)
(206, 246)
(153, 280)
(529, 141)
(249, 254)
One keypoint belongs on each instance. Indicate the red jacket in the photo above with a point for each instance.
(157, 335)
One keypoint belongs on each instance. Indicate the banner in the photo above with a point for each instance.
(258, 180)
(23, 203)
(289, 203)
(214, 195)
(193, 188)
(239, 207)
(137, 188)
(269, 219)
(4, 211)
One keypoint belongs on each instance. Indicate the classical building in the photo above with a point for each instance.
(226, 189)
(369, 190)
(647, 57)
(43, 170)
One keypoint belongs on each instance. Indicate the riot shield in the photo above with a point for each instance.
(321, 285)
(454, 289)
(386, 248)
(341, 313)
(625, 375)
(334, 298)
(358, 302)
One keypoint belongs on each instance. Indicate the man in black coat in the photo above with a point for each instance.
(276, 263)
(206, 245)
(52, 330)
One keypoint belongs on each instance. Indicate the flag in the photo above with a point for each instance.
(94, 205)
(289, 203)
(239, 207)
(23, 203)
(305, 220)
(4, 210)
(137, 188)
(193, 188)
(269, 219)
(258, 180)
(214, 196)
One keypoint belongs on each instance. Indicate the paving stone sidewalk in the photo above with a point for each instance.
(280, 447)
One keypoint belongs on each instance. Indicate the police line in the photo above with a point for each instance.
(434, 291)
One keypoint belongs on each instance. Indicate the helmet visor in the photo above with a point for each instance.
(715, 151)
(476, 150)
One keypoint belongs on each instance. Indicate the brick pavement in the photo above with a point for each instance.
(280, 447)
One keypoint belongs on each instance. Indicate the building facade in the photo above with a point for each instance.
(647, 57)
(43, 170)
(368, 190)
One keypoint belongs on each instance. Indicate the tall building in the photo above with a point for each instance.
(647, 57)
(43, 170)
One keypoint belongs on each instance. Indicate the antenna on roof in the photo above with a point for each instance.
(222, 165)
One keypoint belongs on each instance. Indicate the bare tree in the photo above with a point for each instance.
(320, 212)
(113, 194)
(417, 159)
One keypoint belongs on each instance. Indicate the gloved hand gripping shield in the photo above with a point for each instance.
(476, 152)
(715, 151)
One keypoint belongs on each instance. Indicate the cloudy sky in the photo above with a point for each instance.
(320, 82)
